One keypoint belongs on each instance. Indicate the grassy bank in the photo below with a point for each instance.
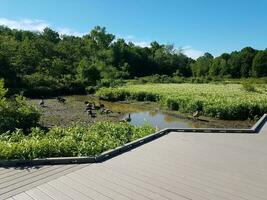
(73, 141)
(223, 101)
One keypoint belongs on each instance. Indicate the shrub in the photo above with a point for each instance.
(90, 89)
(112, 95)
(77, 140)
(16, 113)
(144, 96)
(248, 87)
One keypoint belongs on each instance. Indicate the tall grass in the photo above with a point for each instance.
(224, 101)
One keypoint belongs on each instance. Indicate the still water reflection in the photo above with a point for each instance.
(157, 119)
(140, 115)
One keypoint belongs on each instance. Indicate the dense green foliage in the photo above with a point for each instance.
(74, 141)
(246, 63)
(21, 138)
(46, 63)
(224, 101)
(16, 113)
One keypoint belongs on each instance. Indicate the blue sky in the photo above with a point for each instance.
(196, 25)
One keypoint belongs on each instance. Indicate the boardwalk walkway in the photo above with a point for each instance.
(199, 166)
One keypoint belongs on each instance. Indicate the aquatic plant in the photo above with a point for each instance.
(224, 101)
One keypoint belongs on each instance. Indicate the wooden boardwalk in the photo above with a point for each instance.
(199, 166)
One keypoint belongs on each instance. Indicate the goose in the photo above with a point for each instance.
(196, 114)
(41, 103)
(61, 100)
(88, 106)
(96, 107)
(93, 115)
(89, 112)
(102, 111)
(107, 111)
(128, 119)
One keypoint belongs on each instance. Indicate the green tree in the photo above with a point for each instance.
(101, 39)
(50, 35)
(202, 65)
(259, 66)
(87, 72)
(246, 56)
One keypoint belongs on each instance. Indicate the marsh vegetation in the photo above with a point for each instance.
(157, 85)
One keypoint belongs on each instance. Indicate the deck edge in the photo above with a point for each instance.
(129, 146)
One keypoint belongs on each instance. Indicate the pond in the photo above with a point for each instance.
(140, 115)
(156, 119)
(56, 114)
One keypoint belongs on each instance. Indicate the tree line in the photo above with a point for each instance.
(47, 63)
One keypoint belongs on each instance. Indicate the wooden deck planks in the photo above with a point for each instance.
(30, 178)
(177, 166)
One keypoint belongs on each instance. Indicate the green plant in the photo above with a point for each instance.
(16, 113)
(224, 101)
(248, 87)
(78, 140)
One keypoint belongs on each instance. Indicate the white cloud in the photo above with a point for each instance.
(134, 40)
(35, 25)
(68, 31)
(39, 25)
(141, 43)
(187, 50)
(24, 24)
(192, 53)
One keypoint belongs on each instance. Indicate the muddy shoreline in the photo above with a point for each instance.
(73, 111)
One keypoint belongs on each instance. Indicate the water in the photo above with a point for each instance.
(157, 119)
(140, 114)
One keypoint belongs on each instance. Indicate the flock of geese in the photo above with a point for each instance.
(91, 108)
(59, 99)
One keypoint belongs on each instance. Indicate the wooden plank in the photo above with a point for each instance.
(35, 193)
(158, 191)
(84, 189)
(181, 190)
(53, 192)
(129, 193)
(8, 173)
(72, 192)
(22, 175)
(22, 196)
(37, 180)
(103, 174)
(188, 180)
(180, 166)
(97, 187)
(26, 176)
